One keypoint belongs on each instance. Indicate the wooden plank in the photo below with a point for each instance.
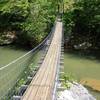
(46, 81)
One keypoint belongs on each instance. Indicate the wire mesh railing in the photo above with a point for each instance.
(10, 73)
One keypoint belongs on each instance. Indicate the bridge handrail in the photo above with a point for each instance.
(33, 50)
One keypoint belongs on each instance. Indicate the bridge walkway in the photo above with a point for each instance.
(42, 85)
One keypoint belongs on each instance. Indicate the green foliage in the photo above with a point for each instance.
(66, 79)
(31, 19)
(84, 23)
(12, 12)
(69, 24)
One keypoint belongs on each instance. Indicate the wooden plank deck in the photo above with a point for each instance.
(41, 87)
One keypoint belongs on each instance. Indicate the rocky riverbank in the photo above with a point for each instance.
(75, 92)
(7, 37)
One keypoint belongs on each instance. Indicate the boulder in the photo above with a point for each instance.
(76, 92)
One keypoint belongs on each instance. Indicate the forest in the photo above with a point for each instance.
(82, 25)
(25, 22)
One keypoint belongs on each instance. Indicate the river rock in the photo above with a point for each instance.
(76, 92)
(7, 37)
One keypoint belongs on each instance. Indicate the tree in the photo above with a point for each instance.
(30, 19)
(85, 16)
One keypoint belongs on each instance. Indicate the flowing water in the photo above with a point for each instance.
(8, 54)
(81, 67)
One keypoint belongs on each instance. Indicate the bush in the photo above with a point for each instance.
(83, 22)
(30, 19)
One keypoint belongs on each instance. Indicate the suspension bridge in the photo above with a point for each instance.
(43, 85)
